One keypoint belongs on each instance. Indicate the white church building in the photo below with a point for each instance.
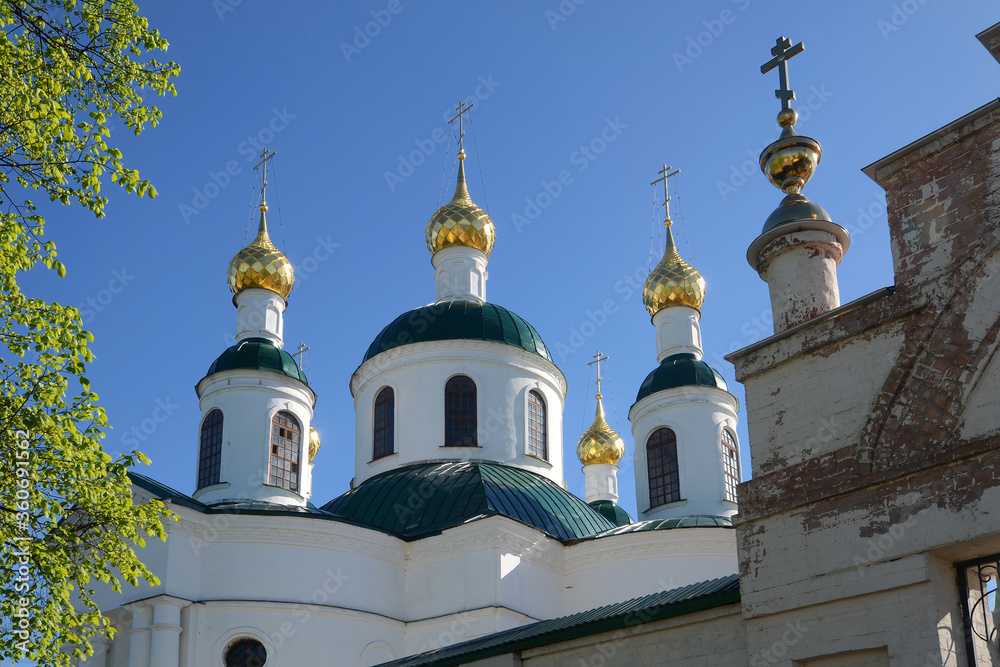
(458, 544)
(458, 523)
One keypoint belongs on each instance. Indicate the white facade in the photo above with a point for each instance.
(249, 400)
(307, 587)
(697, 416)
(417, 374)
(260, 314)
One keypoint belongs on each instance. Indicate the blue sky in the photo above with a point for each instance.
(354, 118)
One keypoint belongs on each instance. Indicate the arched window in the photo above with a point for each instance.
(537, 442)
(385, 423)
(460, 412)
(730, 464)
(286, 448)
(246, 653)
(210, 452)
(661, 461)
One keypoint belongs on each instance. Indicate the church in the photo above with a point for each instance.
(866, 536)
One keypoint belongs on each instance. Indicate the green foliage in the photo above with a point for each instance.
(67, 520)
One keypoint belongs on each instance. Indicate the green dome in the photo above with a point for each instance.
(258, 354)
(425, 499)
(611, 511)
(459, 320)
(680, 370)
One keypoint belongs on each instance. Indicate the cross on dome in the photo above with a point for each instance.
(782, 51)
(666, 191)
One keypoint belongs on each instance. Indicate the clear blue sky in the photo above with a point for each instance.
(679, 83)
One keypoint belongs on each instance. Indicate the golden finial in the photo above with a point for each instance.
(600, 443)
(314, 443)
(790, 161)
(460, 222)
(673, 282)
(260, 264)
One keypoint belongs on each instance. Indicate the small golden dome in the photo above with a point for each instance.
(261, 265)
(313, 443)
(600, 443)
(673, 282)
(460, 222)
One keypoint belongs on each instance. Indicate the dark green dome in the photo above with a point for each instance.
(459, 320)
(258, 354)
(611, 511)
(421, 500)
(680, 370)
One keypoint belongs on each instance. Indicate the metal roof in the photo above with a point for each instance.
(257, 354)
(694, 521)
(459, 320)
(628, 614)
(680, 370)
(424, 499)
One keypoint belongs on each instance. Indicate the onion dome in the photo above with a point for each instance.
(314, 443)
(600, 443)
(673, 282)
(261, 265)
(460, 222)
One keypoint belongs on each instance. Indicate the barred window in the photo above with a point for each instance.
(730, 464)
(246, 653)
(661, 462)
(537, 443)
(977, 580)
(210, 452)
(385, 423)
(286, 447)
(460, 412)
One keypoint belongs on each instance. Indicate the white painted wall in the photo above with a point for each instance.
(697, 415)
(260, 314)
(249, 399)
(460, 274)
(417, 374)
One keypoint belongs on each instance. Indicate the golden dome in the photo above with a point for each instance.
(600, 443)
(313, 443)
(261, 265)
(673, 282)
(460, 222)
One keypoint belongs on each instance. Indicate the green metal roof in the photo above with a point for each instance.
(621, 616)
(680, 370)
(611, 511)
(257, 354)
(459, 320)
(695, 521)
(424, 499)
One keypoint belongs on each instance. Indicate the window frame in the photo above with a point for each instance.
(475, 414)
(730, 480)
(541, 404)
(390, 427)
(296, 485)
(214, 458)
(672, 477)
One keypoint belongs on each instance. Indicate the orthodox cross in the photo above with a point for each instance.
(782, 51)
(302, 350)
(597, 360)
(666, 192)
(461, 109)
(263, 163)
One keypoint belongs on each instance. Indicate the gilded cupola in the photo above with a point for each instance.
(600, 443)
(673, 282)
(460, 222)
(261, 265)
